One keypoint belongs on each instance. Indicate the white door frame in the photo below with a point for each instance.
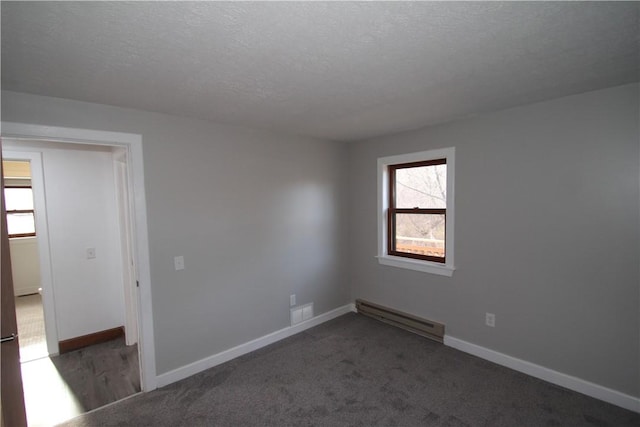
(121, 176)
(133, 144)
(44, 256)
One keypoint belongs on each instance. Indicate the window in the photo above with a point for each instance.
(20, 216)
(416, 211)
(416, 217)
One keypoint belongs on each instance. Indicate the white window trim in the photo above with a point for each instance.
(383, 256)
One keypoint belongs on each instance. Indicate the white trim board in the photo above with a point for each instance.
(46, 276)
(446, 269)
(242, 349)
(567, 381)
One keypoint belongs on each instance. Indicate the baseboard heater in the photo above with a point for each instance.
(426, 328)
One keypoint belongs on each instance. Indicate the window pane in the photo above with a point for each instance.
(421, 234)
(22, 223)
(18, 199)
(422, 187)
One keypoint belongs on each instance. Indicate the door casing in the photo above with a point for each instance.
(44, 256)
(12, 412)
(132, 143)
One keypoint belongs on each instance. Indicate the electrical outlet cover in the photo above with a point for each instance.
(490, 320)
(296, 316)
(307, 311)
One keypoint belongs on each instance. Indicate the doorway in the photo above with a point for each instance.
(25, 265)
(80, 208)
(129, 171)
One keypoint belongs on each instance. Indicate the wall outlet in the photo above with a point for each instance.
(178, 263)
(296, 315)
(299, 314)
(490, 319)
(292, 300)
(307, 311)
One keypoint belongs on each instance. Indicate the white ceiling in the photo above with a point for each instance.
(335, 70)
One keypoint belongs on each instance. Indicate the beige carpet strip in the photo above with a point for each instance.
(33, 344)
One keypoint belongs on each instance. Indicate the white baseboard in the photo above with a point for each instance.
(222, 357)
(572, 383)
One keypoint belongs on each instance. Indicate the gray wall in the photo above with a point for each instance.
(547, 238)
(547, 234)
(256, 215)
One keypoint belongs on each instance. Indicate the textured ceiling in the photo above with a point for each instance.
(336, 70)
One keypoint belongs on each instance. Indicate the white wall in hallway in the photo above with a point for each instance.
(24, 265)
(82, 214)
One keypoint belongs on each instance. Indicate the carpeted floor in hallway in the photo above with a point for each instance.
(61, 387)
(30, 318)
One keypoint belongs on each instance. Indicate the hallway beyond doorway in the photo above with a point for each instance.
(30, 317)
(59, 388)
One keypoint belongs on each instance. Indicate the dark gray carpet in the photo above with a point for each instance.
(100, 374)
(356, 371)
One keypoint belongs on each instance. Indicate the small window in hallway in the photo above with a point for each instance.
(18, 196)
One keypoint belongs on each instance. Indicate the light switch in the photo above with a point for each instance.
(178, 263)
(91, 253)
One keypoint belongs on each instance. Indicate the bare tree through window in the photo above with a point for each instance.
(417, 209)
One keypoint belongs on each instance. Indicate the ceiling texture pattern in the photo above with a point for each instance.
(336, 70)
